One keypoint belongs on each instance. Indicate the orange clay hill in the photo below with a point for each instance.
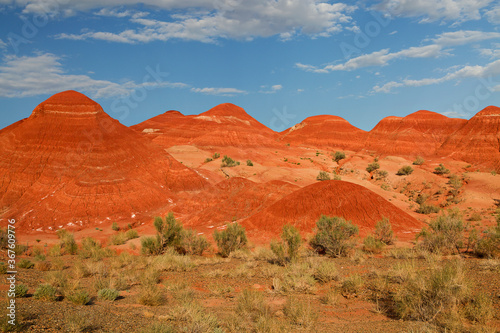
(303, 208)
(420, 133)
(224, 125)
(325, 131)
(70, 164)
(478, 141)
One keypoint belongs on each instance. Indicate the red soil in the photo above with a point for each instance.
(224, 125)
(303, 208)
(70, 163)
(325, 131)
(478, 141)
(420, 133)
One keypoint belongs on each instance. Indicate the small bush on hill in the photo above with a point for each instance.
(194, 244)
(372, 244)
(115, 226)
(372, 167)
(381, 174)
(418, 161)
(333, 236)
(249, 163)
(383, 231)
(230, 239)
(323, 175)
(405, 170)
(229, 162)
(441, 170)
(339, 155)
(427, 209)
(215, 156)
(288, 249)
(489, 245)
(445, 235)
(25, 263)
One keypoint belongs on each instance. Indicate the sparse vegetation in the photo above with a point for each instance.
(418, 161)
(288, 249)
(21, 290)
(108, 294)
(249, 163)
(78, 297)
(405, 171)
(445, 235)
(232, 238)
(25, 263)
(372, 244)
(338, 156)
(372, 167)
(381, 174)
(115, 227)
(383, 231)
(229, 162)
(323, 175)
(441, 170)
(45, 292)
(427, 209)
(333, 236)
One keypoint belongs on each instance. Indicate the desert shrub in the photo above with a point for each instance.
(352, 286)
(215, 156)
(68, 244)
(337, 177)
(339, 155)
(489, 245)
(300, 313)
(381, 174)
(90, 248)
(115, 227)
(108, 294)
(150, 246)
(441, 170)
(194, 244)
(372, 244)
(169, 232)
(230, 239)
(323, 175)
(479, 308)
(56, 279)
(118, 239)
(21, 290)
(326, 271)
(288, 249)
(131, 234)
(445, 235)
(25, 263)
(383, 231)
(208, 159)
(436, 294)
(45, 292)
(228, 162)
(150, 295)
(249, 163)
(372, 167)
(251, 304)
(43, 266)
(333, 236)
(405, 170)
(20, 249)
(475, 217)
(418, 161)
(78, 297)
(427, 209)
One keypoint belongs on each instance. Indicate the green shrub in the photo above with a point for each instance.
(441, 170)
(249, 163)
(372, 245)
(67, 242)
(215, 156)
(115, 227)
(383, 231)
(78, 297)
(300, 313)
(108, 294)
(381, 174)
(372, 167)
(352, 286)
(418, 161)
(427, 209)
(194, 244)
(208, 159)
(21, 290)
(118, 238)
(326, 271)
(489, 245)
(339, 155)
(323, 175)
(230, 239)
(479, 308)
(405, 170)
(131, 234)
(445, 235)
(45, 292)
(150, 246)
(228, 162)
(92, 249)
(169, 232)
(333, 236)
(150, 295)
(25, 263)
(288, 249)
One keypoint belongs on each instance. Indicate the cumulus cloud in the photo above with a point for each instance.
(493, 15)
(204, 20)
(481, 72)
(218, 91)
(43, 73)
(434, 10)
(383, 57)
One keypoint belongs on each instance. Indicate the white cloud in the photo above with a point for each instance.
(480, 72)
(277, 87)
(493, 15)
(491, 53)
(44, 74)
(207, 21)
(455, 114)
(434, 10)
(3, 45)
(218, 91)
(383, 57)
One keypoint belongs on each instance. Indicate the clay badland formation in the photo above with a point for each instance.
(70, 165)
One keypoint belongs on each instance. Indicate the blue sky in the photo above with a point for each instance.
(281, 60)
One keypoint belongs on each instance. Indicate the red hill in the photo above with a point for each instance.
(478, 141)
(325, 131)
(223, 125)
(70, 163)
(420, 133)
(303, 208)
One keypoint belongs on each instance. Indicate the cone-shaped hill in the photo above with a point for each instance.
(224, 125)
(70, 163)
(420, 133)
(325, 131)
(478, 141)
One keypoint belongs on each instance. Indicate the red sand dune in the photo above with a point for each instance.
(325, 131)
(419, 133)
(303, 208)
(69, 162)
(223, 125)
(478, 141)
